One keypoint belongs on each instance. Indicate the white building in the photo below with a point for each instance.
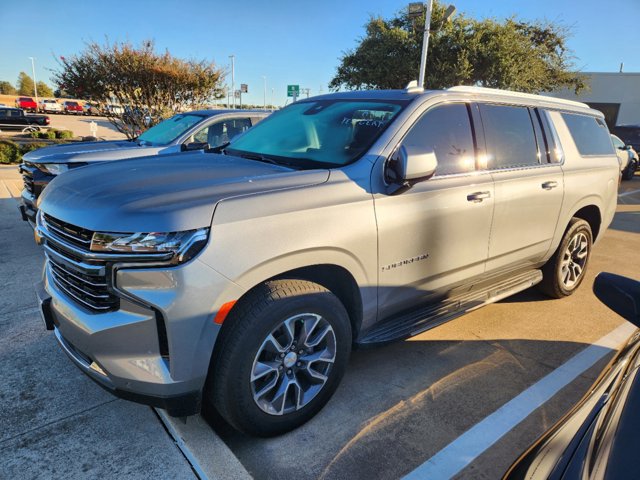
(617, 95)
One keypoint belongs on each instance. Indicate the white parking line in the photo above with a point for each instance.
(632, 192)
(467, 447)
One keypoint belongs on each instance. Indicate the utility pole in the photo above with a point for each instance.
(264, 98)
(233, 79)
(35, 86)
(272, 93)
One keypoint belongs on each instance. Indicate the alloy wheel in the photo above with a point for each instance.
(293, 364)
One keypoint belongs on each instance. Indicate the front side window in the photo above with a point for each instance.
(446, 131)
(318, 133)
(590, 134)
(167, 131)
(222, 131)
(509, 136)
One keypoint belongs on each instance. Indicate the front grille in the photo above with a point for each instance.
(85, 281)
(26, 170)
(28, 183)
(78, 236)
(90, 291)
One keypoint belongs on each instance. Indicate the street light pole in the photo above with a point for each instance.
(425, 42)
(264, 98)
(35, 86)
(233, 79)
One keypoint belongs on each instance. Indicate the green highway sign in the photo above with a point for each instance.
(293, 90)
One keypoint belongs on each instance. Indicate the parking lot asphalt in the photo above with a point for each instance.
(398, 407)
(80, 125)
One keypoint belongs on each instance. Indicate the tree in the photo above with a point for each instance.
(44, 90)
(515, 55)
(6, 88)
(150, 86)
(25, 84)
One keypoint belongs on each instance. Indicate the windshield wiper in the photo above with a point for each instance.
(260, 158)
(219, 148)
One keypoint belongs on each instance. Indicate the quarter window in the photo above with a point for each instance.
(509, 135)
(446, 131)
(590, 134)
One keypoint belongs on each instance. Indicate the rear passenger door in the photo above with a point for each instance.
(528, 182)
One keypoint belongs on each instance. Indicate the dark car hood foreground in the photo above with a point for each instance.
(167, 193)
(85, 152)
(600, 437)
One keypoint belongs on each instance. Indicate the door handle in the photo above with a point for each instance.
(477, 197)
(549, 185)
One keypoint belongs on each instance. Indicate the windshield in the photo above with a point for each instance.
(167, 131)
(321, 133)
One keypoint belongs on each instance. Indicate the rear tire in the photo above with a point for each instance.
(280, 358)
(564, 272)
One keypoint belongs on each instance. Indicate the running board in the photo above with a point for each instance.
(421, 320)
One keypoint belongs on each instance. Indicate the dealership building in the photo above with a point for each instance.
(617, 95)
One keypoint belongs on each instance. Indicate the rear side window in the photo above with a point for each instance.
(590, 134)
(509, 135)
(446, 131)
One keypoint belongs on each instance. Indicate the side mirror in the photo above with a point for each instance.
(188, 147)
(409, 166)
(620, 294)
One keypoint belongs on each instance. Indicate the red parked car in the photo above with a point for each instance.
(72, 107)
(26, 103)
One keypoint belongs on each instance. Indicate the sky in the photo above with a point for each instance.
(289, 42)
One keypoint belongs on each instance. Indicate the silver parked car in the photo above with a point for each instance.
(243, 279)
(195, 130)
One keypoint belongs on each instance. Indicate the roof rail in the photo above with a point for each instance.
(509, 93)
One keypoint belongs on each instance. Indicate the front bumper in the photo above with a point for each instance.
(122, 350)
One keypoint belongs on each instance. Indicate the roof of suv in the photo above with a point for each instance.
(413, 92)
(211, 113)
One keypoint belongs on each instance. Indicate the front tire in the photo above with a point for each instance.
(281, 357)
(564, 272)
(630, 171)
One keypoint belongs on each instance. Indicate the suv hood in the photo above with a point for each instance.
(87, 152)
(167, 193)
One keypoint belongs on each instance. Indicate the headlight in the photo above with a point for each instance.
(53, 168)
(184, 245)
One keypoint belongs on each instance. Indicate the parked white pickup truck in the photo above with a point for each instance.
(49, 106)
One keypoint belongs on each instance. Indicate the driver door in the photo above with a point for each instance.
(435, 235)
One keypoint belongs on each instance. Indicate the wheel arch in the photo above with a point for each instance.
(335, 278)
(592, 215)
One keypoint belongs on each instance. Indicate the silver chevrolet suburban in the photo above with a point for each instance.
(243, 278)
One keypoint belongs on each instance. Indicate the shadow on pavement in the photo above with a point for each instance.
(399, 405)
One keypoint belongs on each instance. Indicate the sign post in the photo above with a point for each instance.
(293, 91)
(244, 88)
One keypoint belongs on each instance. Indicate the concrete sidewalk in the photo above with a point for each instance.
(55, 422)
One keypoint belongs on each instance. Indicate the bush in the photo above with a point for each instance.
(29, 147)
(64, 134)
(53, 134)
(9, 152)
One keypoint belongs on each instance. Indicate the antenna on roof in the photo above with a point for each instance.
(621, 66)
